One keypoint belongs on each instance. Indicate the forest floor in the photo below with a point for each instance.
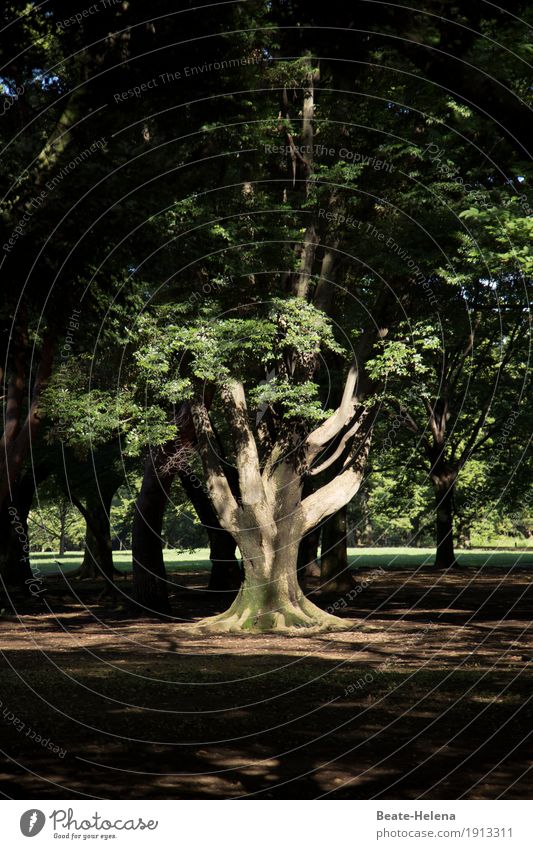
(428, 696)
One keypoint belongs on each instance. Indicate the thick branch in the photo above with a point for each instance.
(474, 434)
(329, 429)
(217, 483)
(341, 448)
(325, 288)
(339, 491)
(246, 454)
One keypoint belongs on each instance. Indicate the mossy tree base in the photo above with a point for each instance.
(255, 611)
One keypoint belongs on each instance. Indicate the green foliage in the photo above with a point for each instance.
(174, 357)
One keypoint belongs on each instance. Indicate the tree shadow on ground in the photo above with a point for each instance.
(418, 700)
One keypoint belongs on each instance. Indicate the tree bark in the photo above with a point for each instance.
(363, 532)
(269, 517)
(225, 569)
(89, 569)
(444, 481)
(62, 529)
(17, 440)
(270, 598)
(308, 565)
(150, 583)
(98, 556)
(15, 568)
(268, 525)
(335, 575)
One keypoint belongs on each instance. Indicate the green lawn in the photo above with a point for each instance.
(367, 558)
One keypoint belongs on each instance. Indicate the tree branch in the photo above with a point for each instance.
(217, 483)
(341, 448)
(342, 416)
(246, 454)
(339, 491)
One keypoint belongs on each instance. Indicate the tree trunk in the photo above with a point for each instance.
(150, 583)
(444, 491)
(270, 516)
(335, 575)
(15, 568)
(89, 570)
(308, 565)
(16, 443)
(98, 556)
(270, 598)
(363, 531)
(225, 569)
(63, 510)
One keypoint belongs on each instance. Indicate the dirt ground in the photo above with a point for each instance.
(428, 696)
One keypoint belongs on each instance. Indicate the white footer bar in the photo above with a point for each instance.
(214, 824)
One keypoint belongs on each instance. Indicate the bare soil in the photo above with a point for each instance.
(428, 696)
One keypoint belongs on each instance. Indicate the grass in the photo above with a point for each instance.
(360, 558)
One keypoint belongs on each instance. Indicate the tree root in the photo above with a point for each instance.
(291, 618)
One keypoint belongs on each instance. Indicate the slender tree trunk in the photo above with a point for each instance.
(62, 529)
(444, 491)
(463, 536)
(335, 575)
(363, 531)
(150, 583)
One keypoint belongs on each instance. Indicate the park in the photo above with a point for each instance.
(266, 484)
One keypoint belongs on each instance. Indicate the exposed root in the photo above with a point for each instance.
(290, 618)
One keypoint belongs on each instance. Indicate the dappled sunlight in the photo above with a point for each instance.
(161, 708)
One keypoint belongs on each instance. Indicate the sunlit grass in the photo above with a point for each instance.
(360, 558)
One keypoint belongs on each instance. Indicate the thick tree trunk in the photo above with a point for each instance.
(15, 568)
(444, 490)
(98, 556)
(269, 517)
(16, 441)
(150, 583)
(89, 570)
(270, 598)
(335, 575)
